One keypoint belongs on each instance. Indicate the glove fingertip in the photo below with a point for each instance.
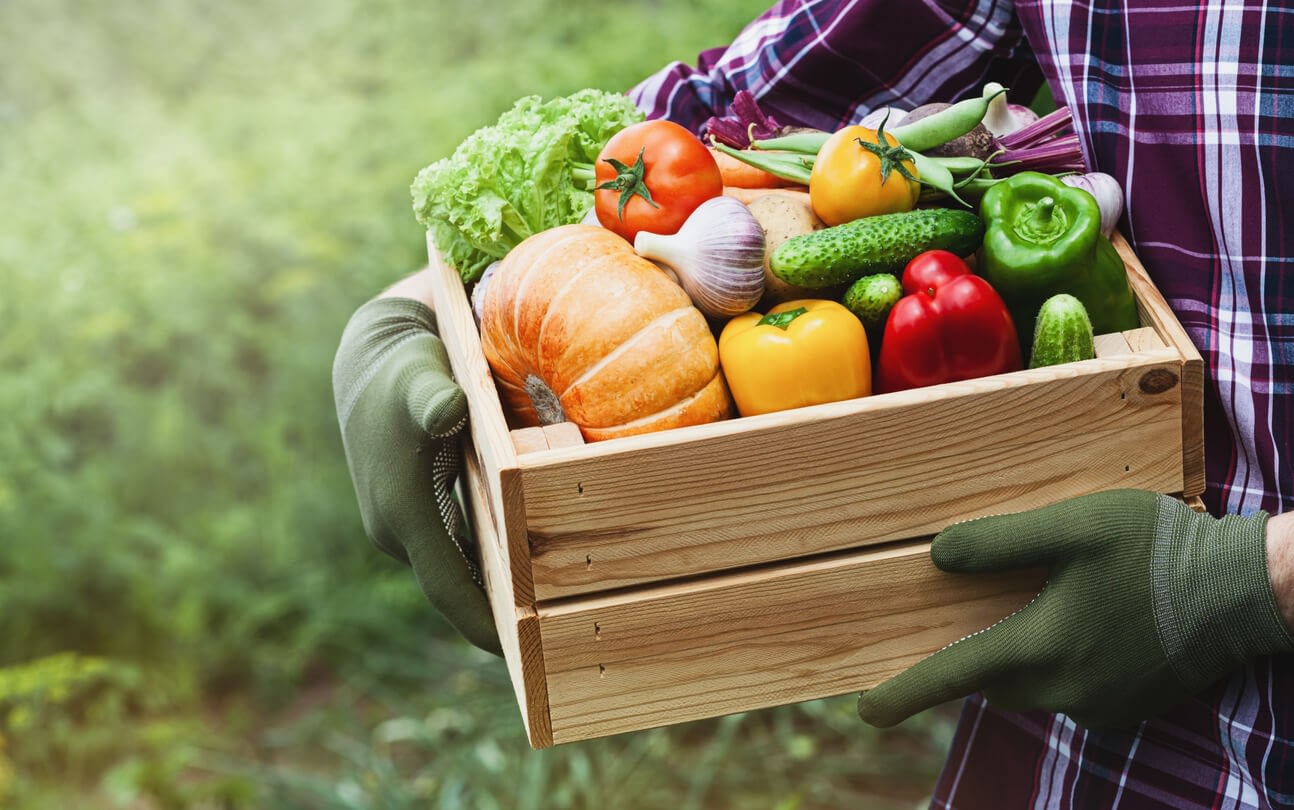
(438, 406)
(873, 713)
(954, 549)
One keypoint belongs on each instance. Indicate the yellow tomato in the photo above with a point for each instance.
(860, 173)
(803, 352)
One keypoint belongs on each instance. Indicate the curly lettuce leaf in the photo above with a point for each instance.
(516, 177)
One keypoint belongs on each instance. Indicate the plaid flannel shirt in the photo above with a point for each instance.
(1191, 108)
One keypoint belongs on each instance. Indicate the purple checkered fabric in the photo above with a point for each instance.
(1191, 108)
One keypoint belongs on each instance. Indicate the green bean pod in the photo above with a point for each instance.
(972, 187)
(807, 143)
(961, 166)
(936, 176)
(794, 167)
(941, 127)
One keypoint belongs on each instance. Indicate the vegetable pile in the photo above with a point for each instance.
(758, 268)
(529, 171)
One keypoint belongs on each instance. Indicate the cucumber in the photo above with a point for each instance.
(1062, 333)
(883, 243)
(871, 298)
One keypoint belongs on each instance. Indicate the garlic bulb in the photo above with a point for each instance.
(1107, 191)
(717, 256)
(1003, 118)
(478, 292)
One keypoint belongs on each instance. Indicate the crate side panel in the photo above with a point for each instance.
(1156, 313)
(518, 628)
(750, 641)
(491, 440)
(863, 472)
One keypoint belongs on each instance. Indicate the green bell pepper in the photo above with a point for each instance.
(1042, 238)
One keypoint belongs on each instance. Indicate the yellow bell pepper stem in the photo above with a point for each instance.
(803, 352)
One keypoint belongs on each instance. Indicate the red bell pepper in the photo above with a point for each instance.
(950, 325)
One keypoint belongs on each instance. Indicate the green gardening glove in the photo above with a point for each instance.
(1147, 602)
(402, 416)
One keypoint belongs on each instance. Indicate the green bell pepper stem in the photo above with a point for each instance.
(1041, 238)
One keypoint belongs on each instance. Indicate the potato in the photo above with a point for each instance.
(784, 214)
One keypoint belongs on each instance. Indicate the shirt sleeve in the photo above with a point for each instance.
(827, 63)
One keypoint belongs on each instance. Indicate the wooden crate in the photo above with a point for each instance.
(707, 570)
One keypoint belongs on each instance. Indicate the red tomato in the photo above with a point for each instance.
(651, 176)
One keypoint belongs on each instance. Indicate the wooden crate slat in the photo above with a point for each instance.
(1156, 312)
(839, 477)
(490, 439)
(518, 626)
(756, 639)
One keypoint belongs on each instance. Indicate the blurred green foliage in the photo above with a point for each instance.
(194, 197)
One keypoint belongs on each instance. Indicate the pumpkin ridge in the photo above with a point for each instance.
(568, 284)
(558, 239)
(625, 346)
(644, 424)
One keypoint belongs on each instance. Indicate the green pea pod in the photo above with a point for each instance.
(788, 166)
(941, 127)
(936, 175)
(1041, 239)
(964, 166)
(807, 143)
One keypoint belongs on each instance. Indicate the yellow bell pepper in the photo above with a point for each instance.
(802, 352)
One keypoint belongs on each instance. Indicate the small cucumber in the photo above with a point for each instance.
(1062, 332)
(871, 298)
(883, 243)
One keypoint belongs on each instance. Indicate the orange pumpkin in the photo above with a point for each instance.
(577, 327)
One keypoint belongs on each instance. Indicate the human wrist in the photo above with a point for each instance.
(1280, 564)
(416, 286)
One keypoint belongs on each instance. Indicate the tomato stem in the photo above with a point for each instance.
(628, 181)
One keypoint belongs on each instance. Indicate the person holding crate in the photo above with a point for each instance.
(1155, 667)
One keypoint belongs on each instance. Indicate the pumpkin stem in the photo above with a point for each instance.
(548, 408)
(629, 181)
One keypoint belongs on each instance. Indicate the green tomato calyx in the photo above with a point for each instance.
(629, 181)
(891, 157)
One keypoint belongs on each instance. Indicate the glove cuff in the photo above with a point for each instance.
(1214, 605)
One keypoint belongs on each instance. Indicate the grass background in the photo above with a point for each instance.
(194, 196)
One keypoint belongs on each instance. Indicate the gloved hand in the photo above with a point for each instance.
(1147, 602)
(401, 417)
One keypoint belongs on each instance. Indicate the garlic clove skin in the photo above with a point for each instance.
(717, 256)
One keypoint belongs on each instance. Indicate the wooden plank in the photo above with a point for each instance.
(529, 440)
(1143, 339)
(1156, 312)
(497, 507)
(488, 426)
(518, 627)
(774, 487)
(1111, 344)
(751, 640)
(563, 434)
